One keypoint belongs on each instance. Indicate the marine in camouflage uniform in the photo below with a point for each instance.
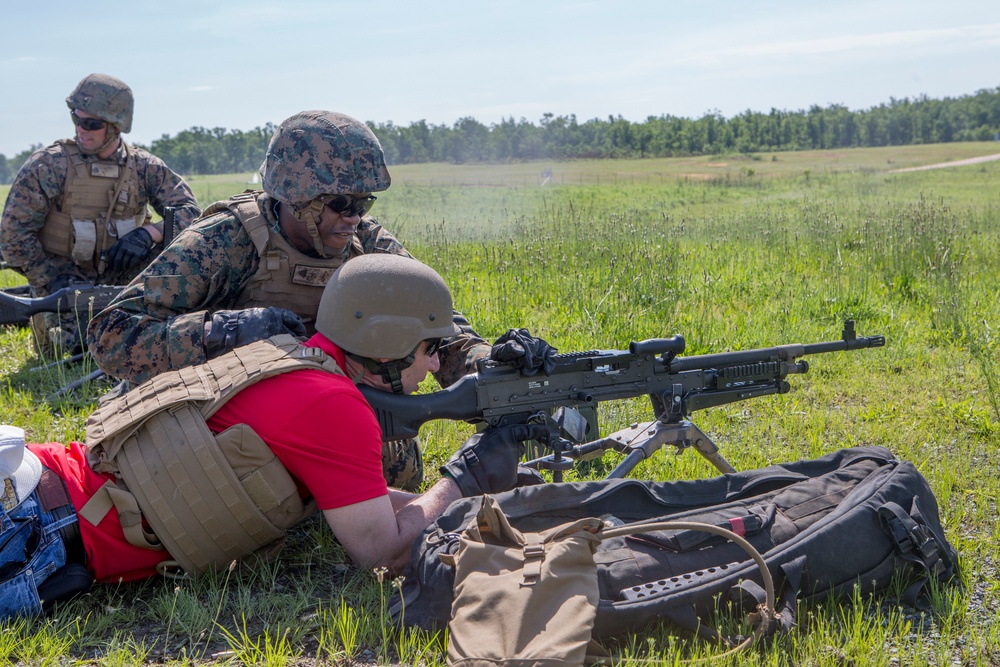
(77, 210)
(251, 260)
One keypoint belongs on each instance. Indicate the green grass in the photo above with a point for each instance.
(756, 253)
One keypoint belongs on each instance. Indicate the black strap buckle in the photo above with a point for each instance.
(913, 540)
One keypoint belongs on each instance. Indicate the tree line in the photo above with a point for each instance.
(899, 122)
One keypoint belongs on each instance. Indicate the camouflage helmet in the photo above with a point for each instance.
(381, 306)
(316, 153)
(104, 97)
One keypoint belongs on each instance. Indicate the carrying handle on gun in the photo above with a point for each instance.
(667, 347)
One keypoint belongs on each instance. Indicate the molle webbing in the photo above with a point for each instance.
(219, 379)
(190, 496)
(97, 195)
(209, 499)
(284, 275)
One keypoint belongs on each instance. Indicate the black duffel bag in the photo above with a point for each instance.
(852, 519)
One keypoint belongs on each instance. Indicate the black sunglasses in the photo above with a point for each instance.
(433, 346)
(348, 206)
(89, 124)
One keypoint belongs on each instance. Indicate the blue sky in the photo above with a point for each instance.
(239, 65)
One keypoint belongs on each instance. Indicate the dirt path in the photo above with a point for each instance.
(954, 163)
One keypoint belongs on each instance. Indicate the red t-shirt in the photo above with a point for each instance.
(318, 425)
(110, 557)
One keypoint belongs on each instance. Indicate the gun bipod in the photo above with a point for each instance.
(76, 384)
(94, 374)
(638, 441)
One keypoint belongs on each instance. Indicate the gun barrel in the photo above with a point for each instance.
(847, 344)
(722, 359)
(789, 352)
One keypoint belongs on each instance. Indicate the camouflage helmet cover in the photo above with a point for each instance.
(381, 306)
(104, 97)
(316, 153)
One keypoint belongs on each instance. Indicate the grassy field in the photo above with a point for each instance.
(733, 253)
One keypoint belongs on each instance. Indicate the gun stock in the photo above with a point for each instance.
(86, 300)
(401, 417)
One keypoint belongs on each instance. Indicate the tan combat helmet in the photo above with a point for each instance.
(315, 154)
(382, 306)
(104, 97)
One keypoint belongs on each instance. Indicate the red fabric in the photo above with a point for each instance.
(317, 424)
(737, 526)
(110, 558)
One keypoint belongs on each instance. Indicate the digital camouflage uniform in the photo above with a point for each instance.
(39, 188)
(157, 323)
(237, 263)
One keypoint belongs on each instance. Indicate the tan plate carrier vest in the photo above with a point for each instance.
(285, 276)
(101, 203)
(209, 499)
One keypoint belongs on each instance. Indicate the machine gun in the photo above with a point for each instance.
(82, 298)
(499, 394)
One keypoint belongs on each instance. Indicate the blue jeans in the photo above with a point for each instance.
(31, 549)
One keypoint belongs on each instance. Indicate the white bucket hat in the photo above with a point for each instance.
(20, 470)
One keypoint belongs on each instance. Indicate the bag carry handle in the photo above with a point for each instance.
(762, 620)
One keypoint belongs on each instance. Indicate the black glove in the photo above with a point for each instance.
(130, 250)
(488, 461)
(63, 280)
(520, 349)
(233, 328)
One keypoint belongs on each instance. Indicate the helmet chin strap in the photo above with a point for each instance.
(309, 214)
(110, 137)
(389, 371)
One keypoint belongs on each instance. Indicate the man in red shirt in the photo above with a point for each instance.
(321, 429)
